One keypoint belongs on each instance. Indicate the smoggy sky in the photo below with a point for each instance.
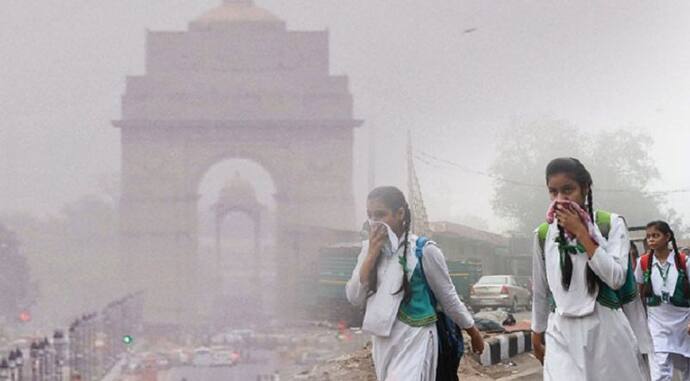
(454, 72)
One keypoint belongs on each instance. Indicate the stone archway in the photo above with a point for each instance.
(237, 196)
(236, 84)
(241, 275)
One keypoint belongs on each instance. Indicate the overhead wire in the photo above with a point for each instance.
(428, 159)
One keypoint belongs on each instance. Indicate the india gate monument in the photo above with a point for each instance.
(237, 84)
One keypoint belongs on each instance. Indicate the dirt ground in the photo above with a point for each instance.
(358, 366)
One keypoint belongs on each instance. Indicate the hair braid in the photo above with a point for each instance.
(647, 287)
(676, 257)
(567, 272)
(405, 287)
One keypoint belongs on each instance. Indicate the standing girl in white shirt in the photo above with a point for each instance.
(389, 280)
(663, 277)
(588, 337)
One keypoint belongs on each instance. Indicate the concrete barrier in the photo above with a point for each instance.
(505, 346)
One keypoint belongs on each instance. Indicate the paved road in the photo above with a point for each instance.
(239, 373)
(264, 363)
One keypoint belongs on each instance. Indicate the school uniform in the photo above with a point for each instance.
(588, 336)
(668, 318)
(405, 341)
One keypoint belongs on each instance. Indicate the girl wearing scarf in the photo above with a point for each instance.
(587, 336)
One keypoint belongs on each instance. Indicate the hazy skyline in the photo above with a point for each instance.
(454, 72)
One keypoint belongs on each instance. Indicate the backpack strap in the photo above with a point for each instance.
(683, 259)
(419, 253)
(681, 264)
(419, 247)
(603, 220)
(542, 232)
(644, 262)
(646, 267)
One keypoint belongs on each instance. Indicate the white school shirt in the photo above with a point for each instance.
(668, 324)
(382, 307)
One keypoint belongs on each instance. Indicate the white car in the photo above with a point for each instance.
(499, 291)
(223, 358)
(202, 357)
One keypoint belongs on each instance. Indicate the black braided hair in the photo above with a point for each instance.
(577, 171)
(665, 228)
(567, 272)
(676, 253)
(393, 199)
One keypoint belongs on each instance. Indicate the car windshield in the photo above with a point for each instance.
(493, 280)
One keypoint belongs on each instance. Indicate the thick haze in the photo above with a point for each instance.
(454, 72)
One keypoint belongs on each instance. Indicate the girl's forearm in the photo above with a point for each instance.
(587, 242)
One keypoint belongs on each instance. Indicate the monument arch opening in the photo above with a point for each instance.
(236, 230)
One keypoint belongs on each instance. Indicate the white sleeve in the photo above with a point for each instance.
(438, 278)
(355, 291)
(540, 289)
(610, 264)
(639, 278)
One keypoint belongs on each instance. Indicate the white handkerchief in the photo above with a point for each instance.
(390, 247)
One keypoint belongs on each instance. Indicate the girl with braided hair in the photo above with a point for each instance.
(663, 277)
(395, 288)
(582, 278)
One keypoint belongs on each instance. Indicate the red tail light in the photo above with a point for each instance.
(504, 290)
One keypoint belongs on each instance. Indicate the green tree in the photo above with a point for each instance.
(618, 161)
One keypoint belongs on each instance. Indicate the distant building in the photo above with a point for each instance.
(461, 242)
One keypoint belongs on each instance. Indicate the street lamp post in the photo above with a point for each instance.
(12, 366)
(19, 359)
(60, 344)
(41, 361)
(33, 353)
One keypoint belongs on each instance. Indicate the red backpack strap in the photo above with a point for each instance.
(644, 262)
(683, 262)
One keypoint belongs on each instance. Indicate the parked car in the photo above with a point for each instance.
(202, 357)
(526, 282)
(499, 291)
(223, 358)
